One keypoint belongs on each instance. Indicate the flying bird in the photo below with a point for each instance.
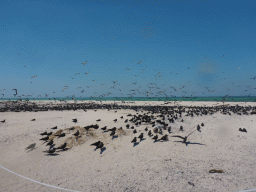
(33, 77)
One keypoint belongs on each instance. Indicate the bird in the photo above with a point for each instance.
(104, 128)
(164, 138)
(3, 121)
(74, 120)
(155, 137)
(33, 77)
(100, 145)
(61, 135)
(146, 129)
(202, 124)
(63, 146)
(184, 138)
(115, 120)
(181, 128)
(96, 143)
(198, 128)
(45, 138)
(77, 133)
(44, 133)
(33, 119)
(244, 130)
(134, 140)
(32, 146)
(54, 127)
(149, 133)
(134, 131)
(50, 142)
(169, 129)
(50, 133)
(98, 120)
(51, 151)
(113, 132)
(141, 136)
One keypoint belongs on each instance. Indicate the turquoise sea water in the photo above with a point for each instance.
(226, 99)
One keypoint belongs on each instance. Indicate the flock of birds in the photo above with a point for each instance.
(168, 116)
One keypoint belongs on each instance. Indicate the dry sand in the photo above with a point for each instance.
(149, 166)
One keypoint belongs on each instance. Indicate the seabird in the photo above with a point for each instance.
(44, 133)
(113, 132)
(54, 127)
(61, 135)
(202, 124)
(146, 129)
(74, 120)
(198, 128)
(149, 133)
(104, 128)
(33, 119)
(169, 129)
(50, 142)
(50, 133)
(3, 121)
(141, 136)
(115, 120)
(134, 140)
(134, 131)
(45, 138)
(98, 120)
(63, 146)
(96, 143)
(184, 138)
(164, 138)
(155, 137)
(51, 151)
(101, 144)
(181, 128)
(77, 133)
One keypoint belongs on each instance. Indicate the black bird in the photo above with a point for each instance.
(113, 132)
(101, 144)
(74, 120)
(72, 128)
(44, 133)
(121, 117)
(96, 143)
(50, 142)
(98, 120)
(198, 128)
(104, 128)
(169, 129)
(244, 130)
(45, 138)
(149, 133)
(134, 131)
(54, 127)
(33, 119)
(141, 136)
(202, 124)
(146, 129)
(50, 133)
(61, 135)
(77, 133)
(240, 129)
(51, 151)
(184, 138)
(164, 138)
(155, 137)
(126, 120)
(3, 121)
(181, 128)
(127, 126)
(63, 146)
(115, 120)
(134, 140)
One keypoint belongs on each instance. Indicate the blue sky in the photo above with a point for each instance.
(131, 48)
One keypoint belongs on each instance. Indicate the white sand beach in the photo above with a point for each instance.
(148, 166)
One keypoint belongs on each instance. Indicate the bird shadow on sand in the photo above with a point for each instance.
(189, 143)
(142, 139)
(135, 144)
(103, 149)
(62, 150)
(115, 136)
(31, 150)
(55, 154)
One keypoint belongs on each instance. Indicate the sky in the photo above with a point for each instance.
(127, 48)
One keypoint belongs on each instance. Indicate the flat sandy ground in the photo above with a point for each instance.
(121, 166)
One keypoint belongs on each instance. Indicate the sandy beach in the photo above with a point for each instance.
(121, 165)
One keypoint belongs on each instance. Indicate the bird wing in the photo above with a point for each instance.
(178, 136)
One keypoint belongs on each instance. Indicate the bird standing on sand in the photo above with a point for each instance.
(96, 143)
(101, 144)
(44, 133)
(54, 127)
(141, 136)
(50, 142)
(77, 133)
(51, 151)
(3, 121)
(61, 135)
(149, 133)
(33, 119)
(164, 138)
(155, 137)
(134, 131)
(63, 146)
(198, 128)
(45, 138)
(115, 120)
(181, 128)
(74, 120)
(113, 132)
(134, 140)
